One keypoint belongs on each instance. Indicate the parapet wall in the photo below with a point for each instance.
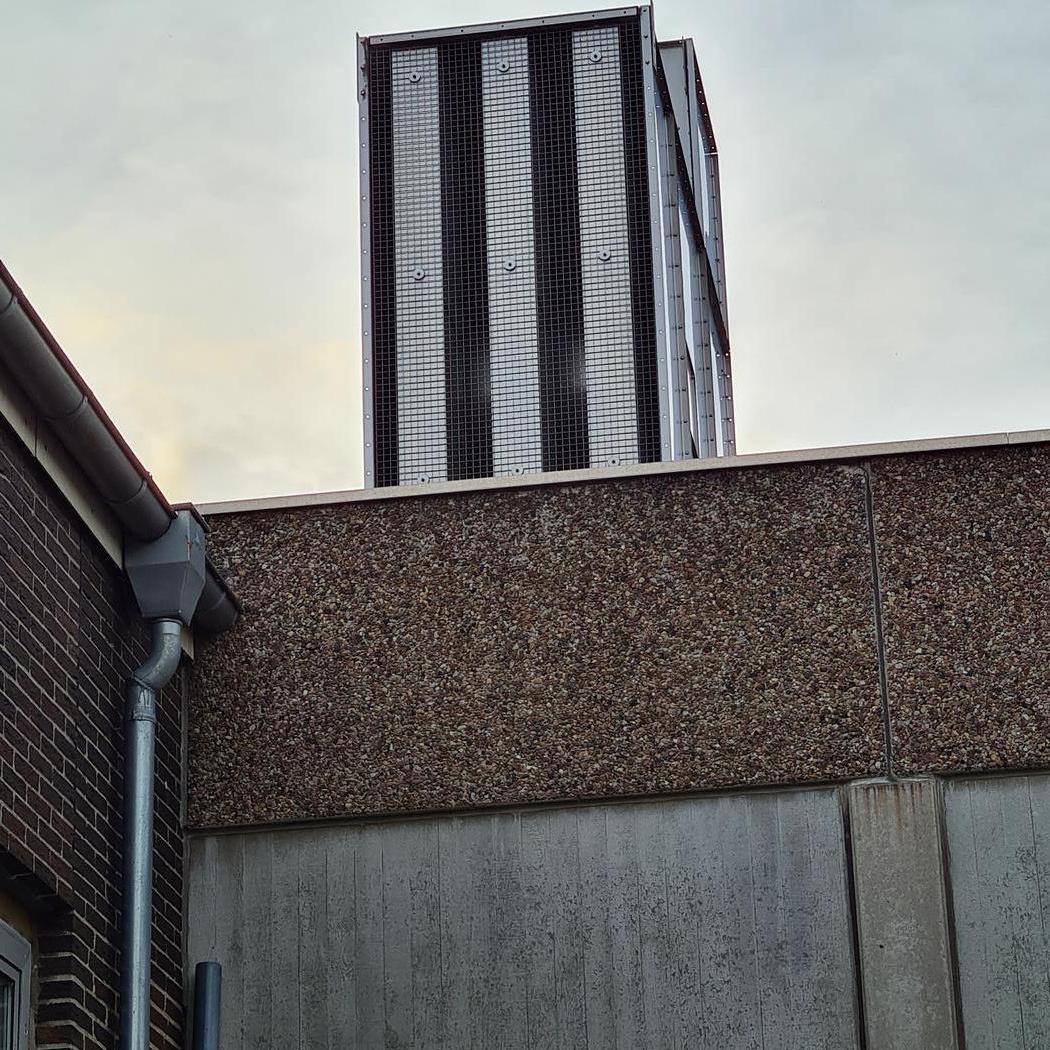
(669, 632)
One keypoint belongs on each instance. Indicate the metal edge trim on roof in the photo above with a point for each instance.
(800, 457)
(500, 27)
(705, 112)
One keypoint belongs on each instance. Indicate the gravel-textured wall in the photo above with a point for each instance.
(964, 539)
(657, 634)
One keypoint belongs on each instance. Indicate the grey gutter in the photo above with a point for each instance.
(63, 399)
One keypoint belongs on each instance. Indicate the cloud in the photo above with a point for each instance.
(182, 208)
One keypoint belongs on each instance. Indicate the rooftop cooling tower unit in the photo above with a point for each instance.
(541, 251)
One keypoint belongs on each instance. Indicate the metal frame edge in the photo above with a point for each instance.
(367, 305)
(512, 26)
(652, 140)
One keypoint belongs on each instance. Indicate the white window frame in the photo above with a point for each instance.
(16, 960)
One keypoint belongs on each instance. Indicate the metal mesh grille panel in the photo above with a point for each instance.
(469, 421)
(612, 418)
(384, 298)
(559, 292)
(643, 305)
(514, 366)
(419, 258)
(514, 329)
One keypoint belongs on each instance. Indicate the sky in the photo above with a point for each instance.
(178, 199)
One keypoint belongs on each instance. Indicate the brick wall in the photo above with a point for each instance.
(68, 636)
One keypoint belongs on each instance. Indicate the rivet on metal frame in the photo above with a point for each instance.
(509, 265)
(595, 55)
(414, 77)
(418, 273)
(503, 65)
(605, 255)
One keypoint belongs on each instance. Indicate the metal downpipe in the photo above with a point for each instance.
(207, 993)
(140, 724)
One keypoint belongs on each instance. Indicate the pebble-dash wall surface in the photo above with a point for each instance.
(657, 634)
(649, 635)
(964, 554)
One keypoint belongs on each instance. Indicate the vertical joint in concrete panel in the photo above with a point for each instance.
(880, 634)
(903, 915)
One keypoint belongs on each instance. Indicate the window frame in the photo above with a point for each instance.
(16, 959)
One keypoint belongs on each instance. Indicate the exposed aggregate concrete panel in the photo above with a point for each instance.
(963, 541)
(660, 634)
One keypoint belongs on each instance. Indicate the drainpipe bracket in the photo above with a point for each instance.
(141, 705)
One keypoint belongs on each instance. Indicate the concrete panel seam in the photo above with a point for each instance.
(950, 919)
(903, 914)
(854, 918)
(298, 824)
(880, 636)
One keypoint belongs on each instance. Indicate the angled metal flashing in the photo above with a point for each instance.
(490, 28)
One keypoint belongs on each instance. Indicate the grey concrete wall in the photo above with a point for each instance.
(999, 843)
(718, 923)
(902, 915)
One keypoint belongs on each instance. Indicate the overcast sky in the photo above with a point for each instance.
(179, 201)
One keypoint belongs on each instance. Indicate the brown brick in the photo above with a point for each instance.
(70, 635)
